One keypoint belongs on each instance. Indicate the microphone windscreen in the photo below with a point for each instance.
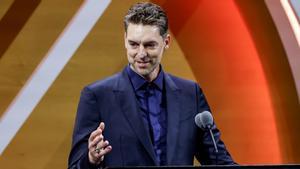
(204, 120)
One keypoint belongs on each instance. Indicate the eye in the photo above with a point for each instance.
(150, 45)
(133, 44)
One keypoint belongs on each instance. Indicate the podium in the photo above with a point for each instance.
(283, 166)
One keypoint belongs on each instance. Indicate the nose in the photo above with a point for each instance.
(142, 52)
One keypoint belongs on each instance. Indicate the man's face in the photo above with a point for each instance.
(145, 47)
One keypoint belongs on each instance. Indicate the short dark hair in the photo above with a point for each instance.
(147, 13)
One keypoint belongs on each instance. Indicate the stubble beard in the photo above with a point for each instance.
(145, 72)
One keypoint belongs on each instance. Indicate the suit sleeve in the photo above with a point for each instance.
(87, 120)
(205, 153)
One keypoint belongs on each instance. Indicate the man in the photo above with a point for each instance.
(146, 116)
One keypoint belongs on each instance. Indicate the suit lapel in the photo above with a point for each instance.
(127, 100)
(173, 109)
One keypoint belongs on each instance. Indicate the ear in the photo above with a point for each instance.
(167, 41)
(125, 40)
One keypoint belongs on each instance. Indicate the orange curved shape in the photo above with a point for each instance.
(223, 56)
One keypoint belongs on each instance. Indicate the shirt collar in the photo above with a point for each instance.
(138, 81)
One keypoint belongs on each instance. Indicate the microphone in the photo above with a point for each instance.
(204, 120)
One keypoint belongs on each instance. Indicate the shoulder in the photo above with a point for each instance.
(181, 82)
(106, 84)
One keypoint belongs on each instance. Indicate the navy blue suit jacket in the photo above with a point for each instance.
(113, 102)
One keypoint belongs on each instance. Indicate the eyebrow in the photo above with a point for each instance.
(147, 42)
(132, 41)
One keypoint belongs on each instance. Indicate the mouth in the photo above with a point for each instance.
(143, 64)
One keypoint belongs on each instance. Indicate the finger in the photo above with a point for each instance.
(103, 151)
(102, 126)
(95, 150)
(107, 149)
(96, 141)
(94, 134)
(102, 144)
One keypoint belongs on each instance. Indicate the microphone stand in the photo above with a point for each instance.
(215, 145)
